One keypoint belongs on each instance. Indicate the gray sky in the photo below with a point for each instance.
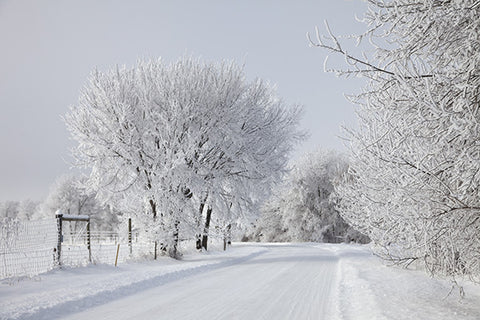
(48, 48)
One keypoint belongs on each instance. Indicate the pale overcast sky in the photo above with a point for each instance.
(49, 47)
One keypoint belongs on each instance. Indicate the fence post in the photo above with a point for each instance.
(116, 257)
(130, 235)
(89, 241)
(155, 251)
(59, 217)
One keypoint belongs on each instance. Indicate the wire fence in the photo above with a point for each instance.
(104, 246)
(29, 248)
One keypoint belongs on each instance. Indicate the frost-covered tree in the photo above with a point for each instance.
(414, 181)
(22, 210)
(28, 209)
(9, 209)
(66, 195)
(267, 132)
(171, 141)
(69, 195)
(301, 209)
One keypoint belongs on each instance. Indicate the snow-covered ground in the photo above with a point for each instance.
(249, 281)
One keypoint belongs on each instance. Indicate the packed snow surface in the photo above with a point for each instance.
(249, 281)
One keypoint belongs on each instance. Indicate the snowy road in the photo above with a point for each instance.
(290, 282)
(249, 281)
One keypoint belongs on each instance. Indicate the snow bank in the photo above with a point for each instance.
(369, 289)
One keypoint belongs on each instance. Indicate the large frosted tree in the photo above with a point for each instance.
(171, 141)
(414, 181)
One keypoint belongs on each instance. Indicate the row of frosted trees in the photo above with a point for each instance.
(183, 144)
(301, 208)
(413, 184)
(68, 195)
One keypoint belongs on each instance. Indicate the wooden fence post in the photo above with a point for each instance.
(130, 235)
(116, 257)
(89, 244)
(59, 217)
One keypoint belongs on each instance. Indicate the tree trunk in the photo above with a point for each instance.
(153, 206)
(198, 243)
(199, 236)
(174, 251)
(226, 237)
(207, 226)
